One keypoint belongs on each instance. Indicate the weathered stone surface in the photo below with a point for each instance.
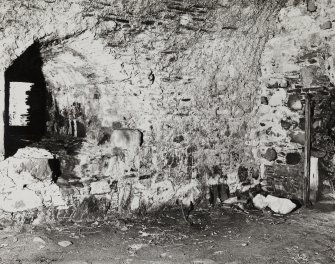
(264, 100)
(112, 70)
(298, 137)
(20, 200)
(280, 205)
(294, 102)
(278, 98)
(91, 208)
(173, 87)
(39, 240)
(126, 138)
(65, 243)
(301, 53)
(273, 83)
(326, 25)
(242, 173)
(311, 6)
(38, 168)
(26, 181)
(270, 154)
(100, 187)
(33, 153)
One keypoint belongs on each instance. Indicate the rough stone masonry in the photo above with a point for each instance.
(152, 100)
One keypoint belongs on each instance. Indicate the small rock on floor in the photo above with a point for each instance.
(203, 261)
(38, 240)
(165, 255)
(64, 243)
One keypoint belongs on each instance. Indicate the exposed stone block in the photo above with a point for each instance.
(91, 209)
(270, 154)
(272, 83)
(264, 100)
(277, 83)
(326, 25)
(294, 102)
(283, 83)
(20, 200)
(33, 153)
(297, 137)
(311, 6)
(100, 187)
(278, 98)
(126, 138)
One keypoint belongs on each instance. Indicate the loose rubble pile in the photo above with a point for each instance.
(26, 182)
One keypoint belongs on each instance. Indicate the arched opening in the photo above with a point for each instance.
(25, 101)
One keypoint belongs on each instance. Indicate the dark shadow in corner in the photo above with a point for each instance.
(55, 167)
(27, 68)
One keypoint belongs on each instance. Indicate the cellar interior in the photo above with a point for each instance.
(197, 116)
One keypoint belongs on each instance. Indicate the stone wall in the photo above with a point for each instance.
(154, 99)
(297, 60)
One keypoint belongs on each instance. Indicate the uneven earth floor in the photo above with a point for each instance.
(221, 235)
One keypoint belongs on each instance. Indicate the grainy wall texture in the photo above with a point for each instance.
(298, 60)
(151, 100)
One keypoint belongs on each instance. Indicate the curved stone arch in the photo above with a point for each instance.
(23, 24)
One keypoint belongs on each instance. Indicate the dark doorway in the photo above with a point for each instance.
(25, 89)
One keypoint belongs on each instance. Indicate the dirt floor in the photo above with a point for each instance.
(221, 235)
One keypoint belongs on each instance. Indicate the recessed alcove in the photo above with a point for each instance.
(25, 101)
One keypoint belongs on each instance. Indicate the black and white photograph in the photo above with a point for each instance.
(167, 131)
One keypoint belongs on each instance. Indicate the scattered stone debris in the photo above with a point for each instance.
(65, 243)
